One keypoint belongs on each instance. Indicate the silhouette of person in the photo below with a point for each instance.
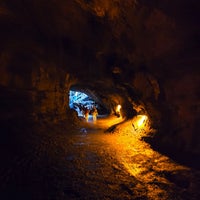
(94, 114)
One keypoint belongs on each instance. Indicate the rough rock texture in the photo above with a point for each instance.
(143, 52)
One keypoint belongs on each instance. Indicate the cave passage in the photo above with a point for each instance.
(137, 63)
(96, 161)
(82, 98)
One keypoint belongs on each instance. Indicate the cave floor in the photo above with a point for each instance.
(89, 163)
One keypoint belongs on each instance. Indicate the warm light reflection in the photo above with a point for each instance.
(111, 120)
(140, 122)
(138, 158)
(118, 108)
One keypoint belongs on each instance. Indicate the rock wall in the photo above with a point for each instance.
(50, 98)
(41, 92)
(182, 99)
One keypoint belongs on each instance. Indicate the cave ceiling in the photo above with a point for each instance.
(99, 41)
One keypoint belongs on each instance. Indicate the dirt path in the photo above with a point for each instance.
(91, 164)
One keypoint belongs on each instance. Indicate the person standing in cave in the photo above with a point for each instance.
(86, 112)
(94, 114)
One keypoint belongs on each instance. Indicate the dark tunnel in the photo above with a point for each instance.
(99, 99)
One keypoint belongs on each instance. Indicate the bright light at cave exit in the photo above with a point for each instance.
(77, 99)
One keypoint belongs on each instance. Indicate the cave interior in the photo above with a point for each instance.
(142, 55)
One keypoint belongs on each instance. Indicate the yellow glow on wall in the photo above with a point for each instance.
(118, 108)
(141, 121)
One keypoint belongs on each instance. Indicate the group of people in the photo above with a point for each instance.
(93, 112)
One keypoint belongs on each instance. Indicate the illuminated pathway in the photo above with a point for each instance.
(119, 165)
(91, 164)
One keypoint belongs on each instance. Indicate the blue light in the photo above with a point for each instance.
(78, 99)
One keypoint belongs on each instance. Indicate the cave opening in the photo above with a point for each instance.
(82, 99)
(77, 100)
